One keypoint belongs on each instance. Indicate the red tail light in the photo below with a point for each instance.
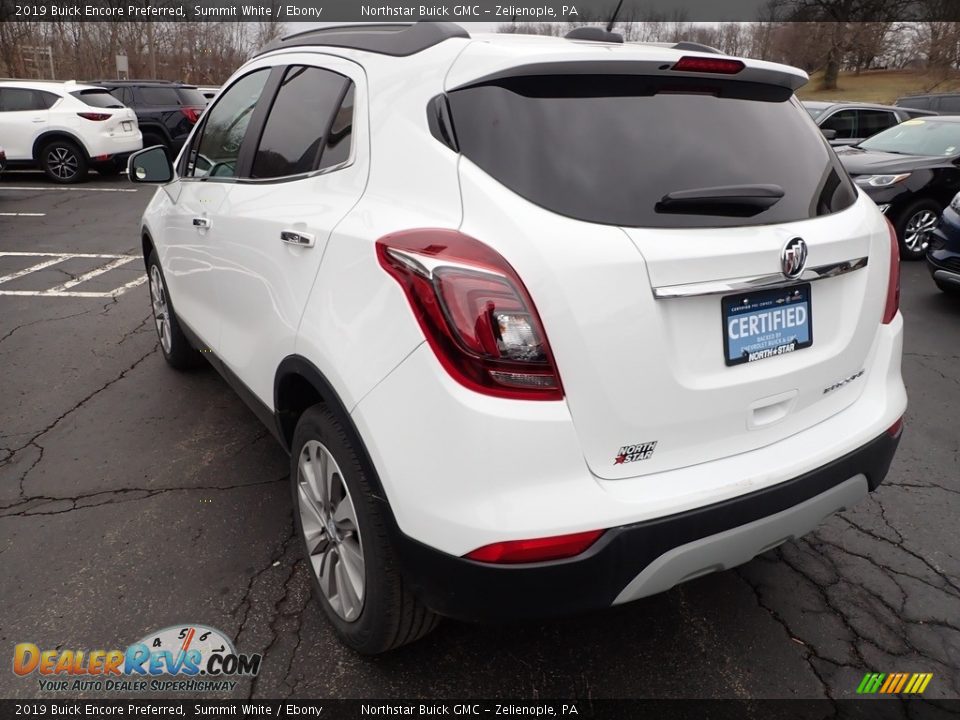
(538, 550)
(893, 283)
(708, 65)
(895, 429)
(192, 114)
(96, 117)
(474, 311)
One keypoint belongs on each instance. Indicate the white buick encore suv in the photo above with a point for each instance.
(545, 324)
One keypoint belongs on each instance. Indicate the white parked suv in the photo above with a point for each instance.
(546, 324)
(65, 129)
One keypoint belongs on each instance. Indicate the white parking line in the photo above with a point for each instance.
(64, 289)
(22, 214)
(64, 189)
(32, 268)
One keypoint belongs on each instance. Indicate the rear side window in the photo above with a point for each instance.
(607, 149)
(184, 97)
(191, 97)
(21, 99)
(873, 121)
(97, 98)
(309, 120)
(949, 104)
(921, 103)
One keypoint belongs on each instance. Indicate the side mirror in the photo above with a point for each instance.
(829, 133)
(150, 166)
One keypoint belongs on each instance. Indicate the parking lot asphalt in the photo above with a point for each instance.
(133, 497)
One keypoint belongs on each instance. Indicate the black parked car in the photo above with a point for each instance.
(943, 253)
(847, 123)
(943, 103)
(912, 171)
(166, 111)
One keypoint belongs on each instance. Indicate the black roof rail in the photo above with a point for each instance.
(594, 33)
(695, 47)
(396, 39)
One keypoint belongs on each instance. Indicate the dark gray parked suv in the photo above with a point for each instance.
(943, 103)
(848, 123)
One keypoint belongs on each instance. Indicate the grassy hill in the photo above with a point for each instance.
(880, 86)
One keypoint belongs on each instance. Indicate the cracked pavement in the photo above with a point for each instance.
(133, 497)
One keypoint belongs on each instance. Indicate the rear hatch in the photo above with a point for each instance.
(119, 121)
(601, 190)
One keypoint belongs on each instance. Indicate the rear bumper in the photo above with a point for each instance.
(644, 558)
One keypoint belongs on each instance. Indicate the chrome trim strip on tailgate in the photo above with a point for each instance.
(757, 282)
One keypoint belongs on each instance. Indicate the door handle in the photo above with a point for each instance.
(201, 223)
(292, 237)
(37, 120)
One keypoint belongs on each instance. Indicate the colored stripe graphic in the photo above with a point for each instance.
(894, 683)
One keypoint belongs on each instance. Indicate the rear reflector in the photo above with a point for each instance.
(708, 65)
(96, 117)
(895, 429)
(536, 550)
(893, 281)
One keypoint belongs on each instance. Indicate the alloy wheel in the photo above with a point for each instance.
(331, 531)
(161, 310)
(63, 162)
(917, 228)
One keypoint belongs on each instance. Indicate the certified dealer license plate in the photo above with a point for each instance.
(767, 323)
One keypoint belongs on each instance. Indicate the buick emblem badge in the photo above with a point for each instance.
(793, 257)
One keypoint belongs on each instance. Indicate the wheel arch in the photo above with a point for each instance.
(298, 385)
(146, 242)
(49, 136)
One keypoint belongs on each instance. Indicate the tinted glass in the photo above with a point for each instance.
(922, 103)
(224, 129)
(294, 133)
(607, 149)
(949, 104)
(20, 99)
(918, 137)
(191, 97)
(97, 98)
(873, 121)
(185, 97)
(844, 122)
(337, 148)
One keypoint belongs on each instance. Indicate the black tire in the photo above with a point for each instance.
(108, 169)
(903, 219)
(391, 616)
(63, 162)
(178, 353)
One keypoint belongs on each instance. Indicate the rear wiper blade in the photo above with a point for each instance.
(729, 200)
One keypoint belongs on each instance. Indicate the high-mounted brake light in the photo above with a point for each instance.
(474, 311)
(893, 282)
(536, 550)
(96, 117)
(708, 65)
(192, 114)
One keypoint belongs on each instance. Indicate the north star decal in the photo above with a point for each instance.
(632, 453)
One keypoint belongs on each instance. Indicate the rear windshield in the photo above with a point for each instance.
(97, 98)
(186, 97)
(607, 149)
